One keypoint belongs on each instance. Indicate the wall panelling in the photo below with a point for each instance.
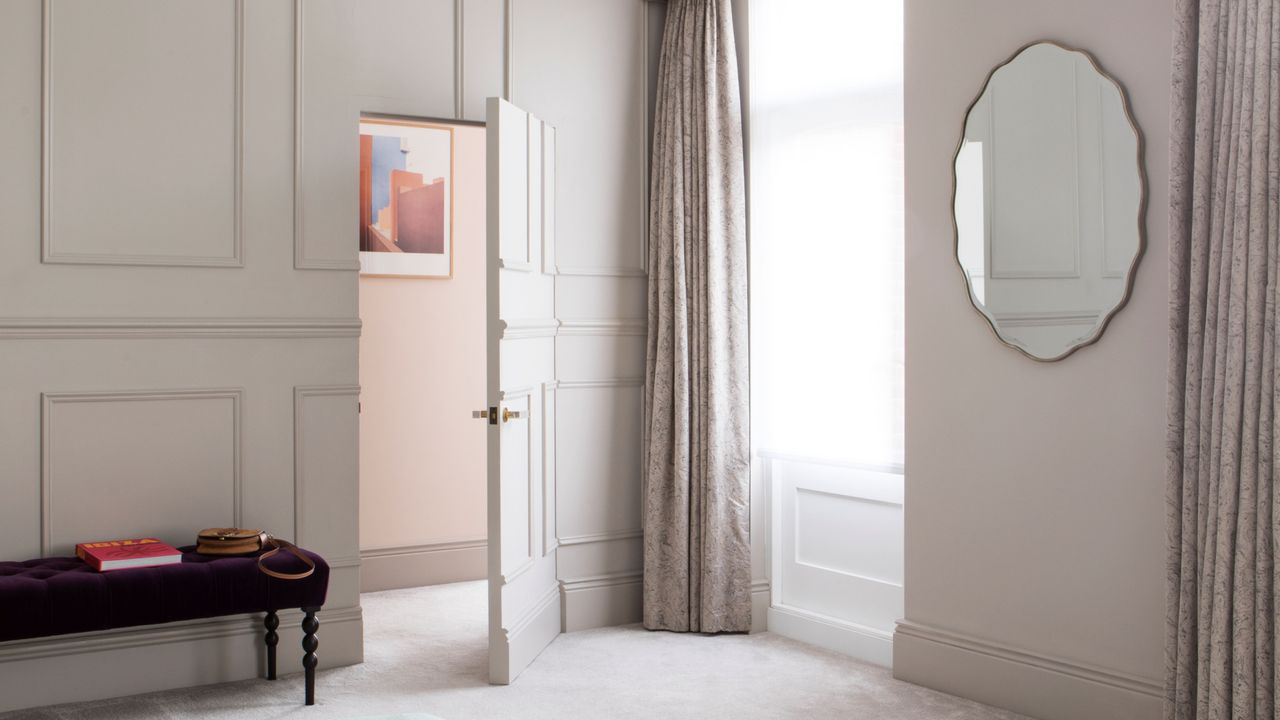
(123, 276)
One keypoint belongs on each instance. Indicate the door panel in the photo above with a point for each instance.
(524, 594)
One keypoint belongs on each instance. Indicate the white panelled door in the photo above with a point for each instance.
(524, 594)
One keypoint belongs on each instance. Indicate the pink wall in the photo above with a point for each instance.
(422, 457)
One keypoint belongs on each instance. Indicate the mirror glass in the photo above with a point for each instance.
(1049, 197)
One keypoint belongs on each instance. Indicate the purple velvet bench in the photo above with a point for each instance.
(54, 596)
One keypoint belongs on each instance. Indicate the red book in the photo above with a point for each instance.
(121, 554)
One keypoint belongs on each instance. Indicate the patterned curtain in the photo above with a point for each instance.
(697, 555)
(1225, 186)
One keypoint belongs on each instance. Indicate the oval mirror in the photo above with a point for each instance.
(1049, 200)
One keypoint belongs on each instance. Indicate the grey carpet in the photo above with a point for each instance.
(425, 653)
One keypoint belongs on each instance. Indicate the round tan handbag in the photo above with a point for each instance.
(242, 541)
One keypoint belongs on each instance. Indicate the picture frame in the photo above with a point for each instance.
(406, 203)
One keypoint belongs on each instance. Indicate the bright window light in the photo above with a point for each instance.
(827, 229)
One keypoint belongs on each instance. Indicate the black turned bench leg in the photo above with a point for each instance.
(271, 622)
(309, 644)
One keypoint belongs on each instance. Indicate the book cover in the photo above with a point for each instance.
(107, 555)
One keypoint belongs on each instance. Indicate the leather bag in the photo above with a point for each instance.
(243, 541)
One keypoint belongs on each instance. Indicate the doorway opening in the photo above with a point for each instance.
(457, 297)
(422, 295)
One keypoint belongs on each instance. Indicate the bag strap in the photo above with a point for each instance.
(276, 546)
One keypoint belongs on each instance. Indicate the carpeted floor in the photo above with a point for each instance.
(425, 658)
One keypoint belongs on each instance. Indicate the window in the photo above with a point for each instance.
(826, 213)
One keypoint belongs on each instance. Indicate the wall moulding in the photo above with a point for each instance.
(1150, 687)
(618, 272)
(551, 327)
(858, 641)
(442, 546)
(570, 585)
(601, 384)
(517, 329)
(620, 326)
(175, 328)
(103, 640)
(611, 536)
(433, 563)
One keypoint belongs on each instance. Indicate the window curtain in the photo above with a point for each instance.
(696, 494)
(1224, 169)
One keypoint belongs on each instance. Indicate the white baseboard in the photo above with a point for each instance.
(419, 565)
(1020, 680)
(857, 641)
(601, 601)
(759, 606)
(114, 663)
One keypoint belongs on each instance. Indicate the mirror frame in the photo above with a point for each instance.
(1140, 159)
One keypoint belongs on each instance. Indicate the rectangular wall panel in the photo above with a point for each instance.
(484, 54)
(598, 459)
(837, 554)
(326, 471)
(823, 540)
(393, 57)
(264, 285)
(601, 350)
(600, 557)
(168, 461)
(142, 132)
(601, 125)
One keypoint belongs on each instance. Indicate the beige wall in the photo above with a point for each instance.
(422, 457)
(1034, 491)
(231, 306)
(604, 51)
(168, 365)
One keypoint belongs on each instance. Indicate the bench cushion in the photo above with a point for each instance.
(53, 596)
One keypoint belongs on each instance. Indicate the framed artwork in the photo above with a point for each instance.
(406, 198)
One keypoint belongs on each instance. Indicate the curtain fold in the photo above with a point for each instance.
(696, 491)
(1223, 441)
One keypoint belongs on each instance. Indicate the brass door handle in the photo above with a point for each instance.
(508, 414)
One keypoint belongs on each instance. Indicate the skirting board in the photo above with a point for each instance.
(1019, 680)
(601, 601)
(616, 599)
(856, 641)
(114, 663)
(759, 606)
(419, 565)
(530, 635)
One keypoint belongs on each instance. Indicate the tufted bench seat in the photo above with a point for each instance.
(59, 595)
